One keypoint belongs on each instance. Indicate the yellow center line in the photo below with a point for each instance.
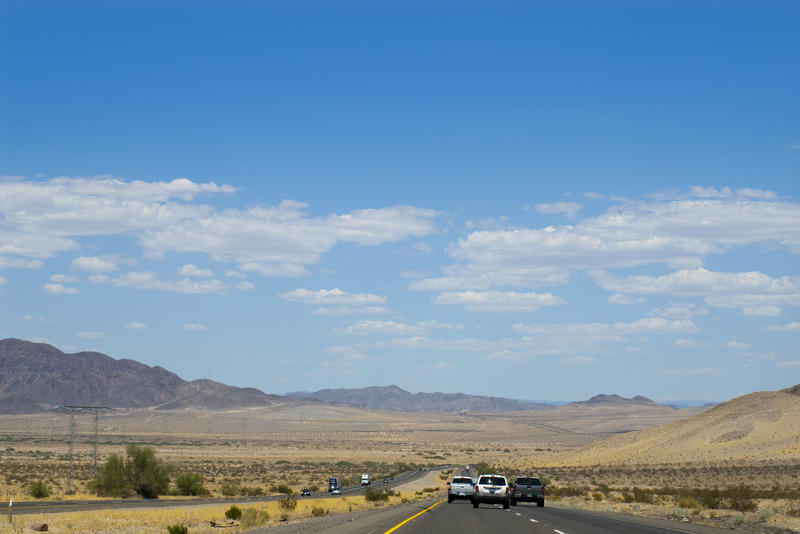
(412, 517)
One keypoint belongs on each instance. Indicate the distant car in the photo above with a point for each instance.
(305, 493)
(336, 491)
(492, 489)
(386, 480)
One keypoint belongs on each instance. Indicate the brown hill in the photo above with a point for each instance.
(762, 425)
(35, 376)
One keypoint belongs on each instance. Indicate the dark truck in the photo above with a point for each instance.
(527, 489)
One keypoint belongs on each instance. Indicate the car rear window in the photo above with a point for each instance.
(528, 481)
(462, 480)
(493, 481)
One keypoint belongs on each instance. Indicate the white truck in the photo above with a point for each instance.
(461, 487)
(365, 480)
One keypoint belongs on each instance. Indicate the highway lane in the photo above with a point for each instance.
(462, 518)
(40, 507)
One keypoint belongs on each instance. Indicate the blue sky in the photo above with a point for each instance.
(532, 200)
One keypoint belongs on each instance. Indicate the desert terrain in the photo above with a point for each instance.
(628, 458)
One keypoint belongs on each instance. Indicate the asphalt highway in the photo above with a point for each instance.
(462, 518)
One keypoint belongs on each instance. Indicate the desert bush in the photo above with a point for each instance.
(318, 511)
(178, 529)
(252, 517)
(679, 513)
(230, 488)
(765, 515)
(288, 503)
(597, 496)
(642, 495)
(378, 495)
(190, 483)
(741, 499)
(39, 490)
(234, 512)
(282, 488)
(688, 502)
(112, 479)
(149, 476)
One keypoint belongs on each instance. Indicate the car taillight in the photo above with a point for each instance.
(542, 490)
(477, 488)
(515, 488)
(506, 490)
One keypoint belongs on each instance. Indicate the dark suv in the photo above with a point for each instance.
(527, 489)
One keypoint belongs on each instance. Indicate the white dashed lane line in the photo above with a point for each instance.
(534, 521)
(559, 532)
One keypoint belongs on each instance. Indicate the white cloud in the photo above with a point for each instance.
(136, 326)
(567, 209)
(8, 262)
(434, 324)
(678, 310)
(245, 286)
(192, 270)
(333, 297)
(60, 289)
(610, 331)
(682, 343)
(393, 328)
(499, 301)
(96, 264)
(790, 327)
(762, 311)
(194, 327)
(283, 240)
(679, 233)
(2, 280)
(63, 279)
(751, 291)
(90, 335)
(790, 364)
(150, 280)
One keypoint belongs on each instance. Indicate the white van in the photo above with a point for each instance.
(365, 480)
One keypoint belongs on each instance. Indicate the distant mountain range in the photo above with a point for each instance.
(398, 399)
(34, 377)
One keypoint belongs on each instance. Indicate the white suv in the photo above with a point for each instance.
(492, 489)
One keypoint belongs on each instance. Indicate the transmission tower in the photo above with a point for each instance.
(71, 411)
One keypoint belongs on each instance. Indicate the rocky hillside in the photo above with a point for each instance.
(398, 399)
(764, 424)
(34, 377)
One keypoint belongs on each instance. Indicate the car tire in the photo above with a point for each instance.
(449, 500)
(474, 504)
(506, 505)
(513, 502)
(540, 504)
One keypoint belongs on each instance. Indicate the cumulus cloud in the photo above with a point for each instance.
(753, 292)
(678, 310)
(333, 296)
(192, 270)
(394, 328)
(619, 298)
(136, 326)
(150, 280)
(679, 233)
(434, 324)
(8, 262)
(283, 240)
(60, 289)
(612, 331)
(96, 264)
(499, 301)
(567, 209)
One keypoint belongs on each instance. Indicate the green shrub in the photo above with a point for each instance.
(597, 496)
(112, 479)
(318, 511)
(190, 483)
(178, 529)
(679, 513)
(741, 499)
(642, 495)
(688, 502)
(39, 490)
(234, 512)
